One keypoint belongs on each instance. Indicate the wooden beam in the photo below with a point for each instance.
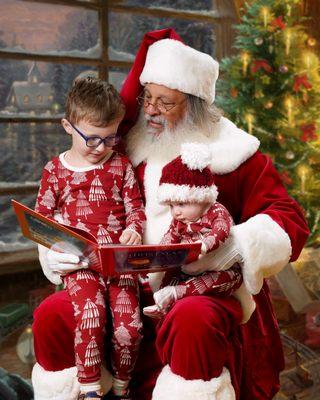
(64, 59)
(18, 188)
(72, 3)
(29, 119)
(49, 58)
(103, 31)
(158, 12)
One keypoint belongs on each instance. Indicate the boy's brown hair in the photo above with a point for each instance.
(95, 101)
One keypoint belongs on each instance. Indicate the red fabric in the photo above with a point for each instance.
(177, 173)
(256, 188)
(212, 229)
(191, 319)
(104, 197)
(132, 87)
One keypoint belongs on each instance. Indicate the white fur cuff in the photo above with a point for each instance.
(58, 385)
(170, 386)
(265, 248)
(62, 385)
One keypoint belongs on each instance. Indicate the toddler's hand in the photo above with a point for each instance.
(130, 237)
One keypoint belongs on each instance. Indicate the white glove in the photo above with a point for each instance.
(153, 312)
(165, 297)
(220, 259)
(55, 264)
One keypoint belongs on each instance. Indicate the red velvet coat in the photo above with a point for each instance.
(257, 356)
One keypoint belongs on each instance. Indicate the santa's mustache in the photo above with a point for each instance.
(156, 119)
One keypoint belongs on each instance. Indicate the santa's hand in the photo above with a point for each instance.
(220, 259)
(64, 263)
(165, 297)
(55, 264)
(130, 237)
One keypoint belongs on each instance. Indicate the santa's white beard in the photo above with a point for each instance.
(143, 140)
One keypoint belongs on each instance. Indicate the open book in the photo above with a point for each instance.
(107, 260)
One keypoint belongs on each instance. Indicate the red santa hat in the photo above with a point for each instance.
(163, 59)
(188, 178)
(132, 87)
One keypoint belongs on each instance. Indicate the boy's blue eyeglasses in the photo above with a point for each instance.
(95, 141)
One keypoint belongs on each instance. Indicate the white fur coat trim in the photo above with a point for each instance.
(173, 387)
(265, 248)
(61, 385)
(229, 147)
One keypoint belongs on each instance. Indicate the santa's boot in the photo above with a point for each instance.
(61, 385)
(170, 386)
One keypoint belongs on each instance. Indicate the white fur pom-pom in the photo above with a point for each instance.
(195, 155)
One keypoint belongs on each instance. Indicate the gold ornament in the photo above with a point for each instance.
(305, 97)
(265, 13)
(311, 42)
(268, 105)
(289, 103)
(245, 58)
(249, 118)
(287, 39)
(258, 94)
(303, 172)
(265, 79)
(280, 138)
(234, 92)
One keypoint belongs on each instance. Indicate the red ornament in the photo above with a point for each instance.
(278, 23)
(260, 64)
(301, 80)
(308, 132)
(286, 179)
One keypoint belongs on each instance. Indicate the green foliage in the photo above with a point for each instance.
(271, 88)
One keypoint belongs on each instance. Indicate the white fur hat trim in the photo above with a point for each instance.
(175, 65)
(198, 194)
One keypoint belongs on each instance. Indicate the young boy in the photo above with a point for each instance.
(92, 187)
(187, 186)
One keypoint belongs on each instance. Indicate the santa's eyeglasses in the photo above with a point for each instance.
(144, 100)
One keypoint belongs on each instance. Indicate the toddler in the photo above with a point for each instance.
(187, 186)
(94, 188)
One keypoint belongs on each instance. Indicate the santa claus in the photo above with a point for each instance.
(199, 350)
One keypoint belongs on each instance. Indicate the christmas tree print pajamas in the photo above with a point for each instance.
(211, 229)
(104, 200)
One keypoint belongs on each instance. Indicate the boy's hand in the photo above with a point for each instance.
(130, 237)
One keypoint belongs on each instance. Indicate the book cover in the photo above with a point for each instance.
(108, 260)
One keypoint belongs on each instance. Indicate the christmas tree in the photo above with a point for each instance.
(271, 89)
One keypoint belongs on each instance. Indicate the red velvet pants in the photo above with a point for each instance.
(197, 337)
